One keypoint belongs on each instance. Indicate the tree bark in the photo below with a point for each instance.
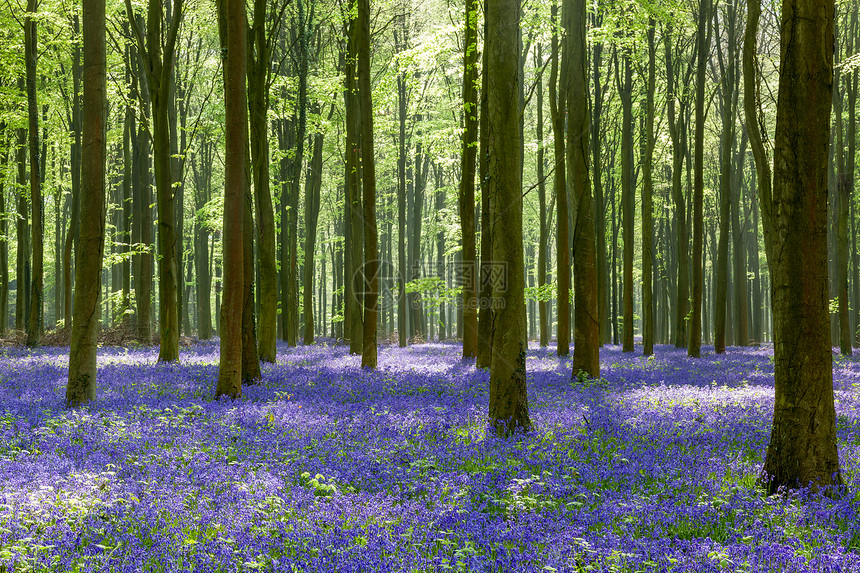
(313, 185)
(703, 39)
(508, 408)
(624, 73)
(368, 184)
(81, 386)
(467, 180)
(558, 88)
(34, 322)
(259, 62)
(586, 347)
(157, 51)
(648, 201)
(802, 449)
(232, 23)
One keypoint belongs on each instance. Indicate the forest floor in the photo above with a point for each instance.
(329, 468)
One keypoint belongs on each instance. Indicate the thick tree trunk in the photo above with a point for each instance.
(508, 409)
(81, 386)
(802, 449)
(232, 21)
(586, 347)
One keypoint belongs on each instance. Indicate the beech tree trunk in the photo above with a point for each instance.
(157, 51)
(81, 386)
(368, 184)
(232, 23)
(802, 449)
(467, 180)
(703, 39)
(34, 322)
(648, 201)
(586, 347)
(508, 408)
(258, 107)
(558, 88)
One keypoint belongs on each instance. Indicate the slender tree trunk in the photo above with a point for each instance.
(625, 90)
(675, 125)
(81, 386)
(400, 41)
(34, 322)
(704, 37)
(4, 229)
(841, 209)
(485, 311)
(508, 409)
(157, 51)
(543, 238)
(355, 243)
(368, 170)
(648, 201)
(467, 180)
(599, 203)
(258, 104)
(22, 267)
(75, 160)
(558, 88)
(313, 185)
(232, 23)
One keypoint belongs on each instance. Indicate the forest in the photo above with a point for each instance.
(412, 285)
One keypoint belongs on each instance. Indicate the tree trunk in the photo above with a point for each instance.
(558, 88)
(313, 184)
(648, 201)
(354, 212)
(508, 408)
(158, 59)
(467, 180)
(586, 347)
(485, 311)
(81, 386)
(624, 73)
(675, 127)
(75, 160)
(402, 318)
(22, 267)
(4, 226)
(34, 322)
(368, 184)
(599, 204)
(258, 106)
(704, 37)
(543, 238)
(232, 24)
(802, 449)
